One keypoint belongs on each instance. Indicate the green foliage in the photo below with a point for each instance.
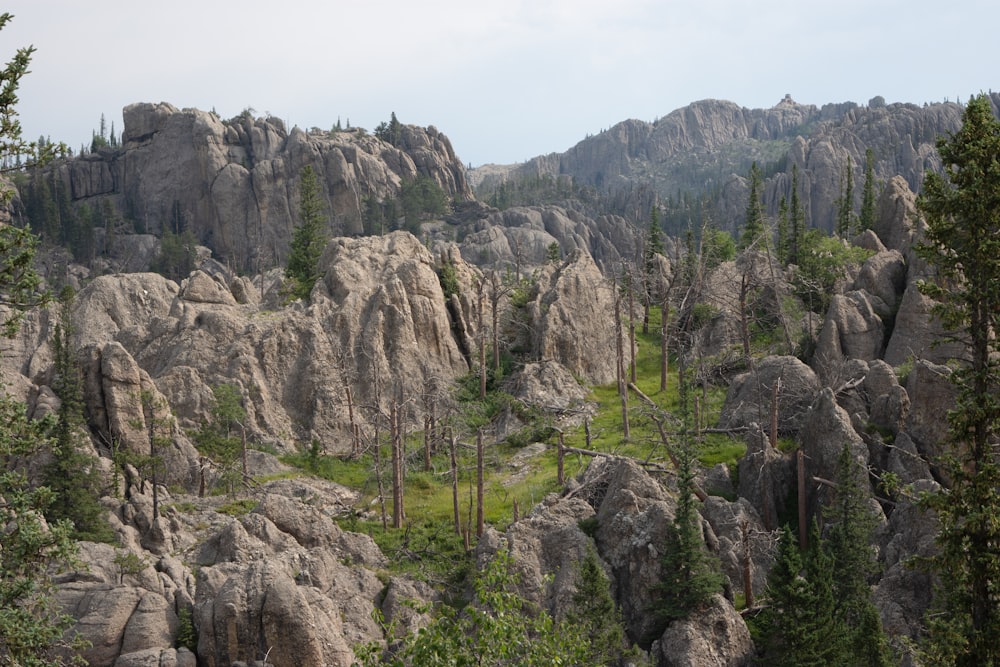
(595, 616)
(823, 260)
(177, 256)
(31, 550)
(846, 219)
(32, 623)
(187, 635)
(73, 475)
(691, 576)
(962, 209)
(240, 507)
(221, 438)
(309, 238)
(754, 226)
(798, 627)
(499, 627)
(421, 199)
(553, 253)
(852, 523)
(449, 280)
(717, 246)
(129, 564)
(867, 218)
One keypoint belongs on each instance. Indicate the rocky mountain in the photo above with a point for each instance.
(706, 148)
(235, 183)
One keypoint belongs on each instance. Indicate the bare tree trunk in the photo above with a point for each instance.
(620, 352)
(355, 429)
(586, 430)
(561, 456)
(482, 344)
(427, 443)
(803, 533)
(495, 295)
(774, 413)
(396, 436)
(631, 330)
(744, 315)
(480, 486)
(243, 453)
(746, 564)
(454, 483)
(664, 341)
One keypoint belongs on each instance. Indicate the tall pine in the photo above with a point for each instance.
(753, 228)
(690, 574)
(309, 238)
(867, 219)
(962, 242)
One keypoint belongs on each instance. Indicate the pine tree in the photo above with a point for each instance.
(309, 238)
(32, 622)
(796, 222)
(753, 228)
(798, 626)
(867, 219)
(962, 209)
(691, 576)
(73, 475)
(845, 204)
(850, 537)
(595, 615)
(784, 241)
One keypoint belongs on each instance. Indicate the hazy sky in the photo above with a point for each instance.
(506, 80)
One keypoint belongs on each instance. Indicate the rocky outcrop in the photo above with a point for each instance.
(235, 183)
(573, 318)
(716, 637)
(749, 397)
(703, 146)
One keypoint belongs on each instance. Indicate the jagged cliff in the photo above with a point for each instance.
(235, 183)
(707, 148)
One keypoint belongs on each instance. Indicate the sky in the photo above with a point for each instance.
(505, 80)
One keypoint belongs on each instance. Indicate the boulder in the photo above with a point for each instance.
(716, 637)
(917, 333)
(748, 399)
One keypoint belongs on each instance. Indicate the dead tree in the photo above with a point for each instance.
(480, 485)
(620, 365)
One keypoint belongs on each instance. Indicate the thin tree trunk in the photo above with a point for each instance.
(480, 486)
(664, 342)
(454, 483)
(620, 352)
(561, 456)
(803, 534)
(482, 345)
(774, 413)
(747, 578)
(427, 443)
(397, 467)
(631, 331)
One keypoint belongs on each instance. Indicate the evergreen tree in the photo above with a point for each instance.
(595, 615)
(783, 241)
(691, 576)
(796, 222)
(798, 627)
(962, 209)
(309, 238)
(867, 219)
(73, 475)
(845, 203)
(850, 545)
(753, 228)
(32, 622)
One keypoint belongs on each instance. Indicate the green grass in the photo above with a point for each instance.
(428, 546)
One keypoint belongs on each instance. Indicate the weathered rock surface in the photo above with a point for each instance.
(717, 637)
(235, 184)
(574, 319)
(749, 397)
